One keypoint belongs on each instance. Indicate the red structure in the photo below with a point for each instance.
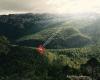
(40, 49)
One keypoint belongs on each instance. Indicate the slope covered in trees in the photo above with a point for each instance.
(17, 26)
(70, 52)
(21, 62)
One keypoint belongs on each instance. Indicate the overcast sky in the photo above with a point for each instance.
(49, 6)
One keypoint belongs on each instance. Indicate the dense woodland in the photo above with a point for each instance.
(73, 54)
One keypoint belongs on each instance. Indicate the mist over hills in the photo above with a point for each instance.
(93, 30)
(72, 50)
(34, 29)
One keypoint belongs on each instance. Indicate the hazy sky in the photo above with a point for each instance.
(49, 6)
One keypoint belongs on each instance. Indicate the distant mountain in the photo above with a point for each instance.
(93, 31)
(17, 25)
(59, 31)
(34, 29)
(66, 38)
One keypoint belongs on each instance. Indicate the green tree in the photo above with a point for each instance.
(90, 68)
(4, 45)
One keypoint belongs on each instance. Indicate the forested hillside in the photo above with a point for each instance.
(34, 29)
(69, 44)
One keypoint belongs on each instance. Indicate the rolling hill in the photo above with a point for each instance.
(34, 29)
(66, 38)
(93, 31)
(69, 49)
